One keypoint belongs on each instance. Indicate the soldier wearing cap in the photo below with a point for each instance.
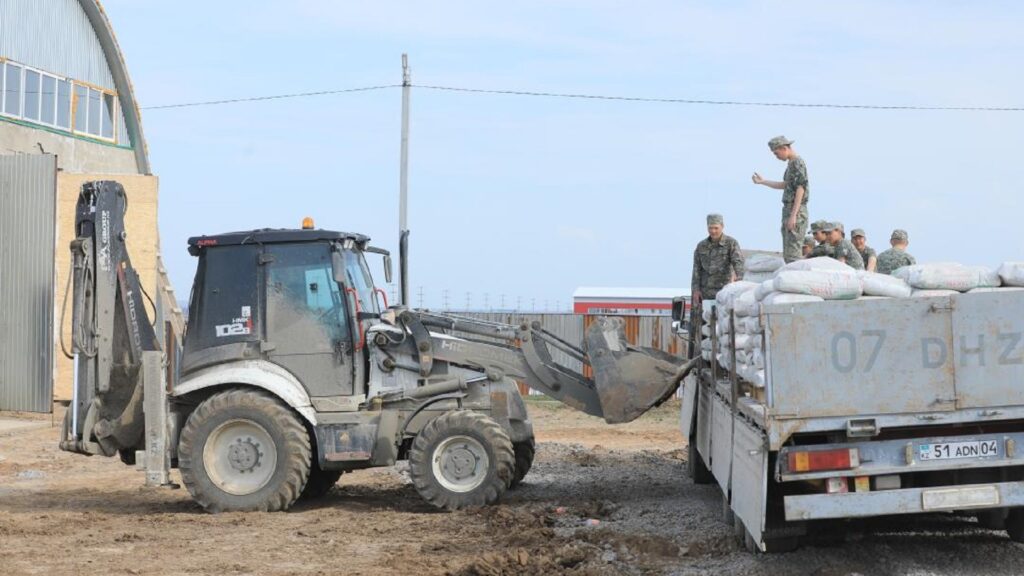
(716, 262)
(842, 249)
(818, 232)
(796, 192)
(808, 246)
(897, 256)
(860, 241)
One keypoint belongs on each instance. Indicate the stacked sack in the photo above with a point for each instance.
(948, 278)
(726, 300)
(761, 267)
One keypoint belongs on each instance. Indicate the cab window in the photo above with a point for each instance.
(357, 276)
(301, 286)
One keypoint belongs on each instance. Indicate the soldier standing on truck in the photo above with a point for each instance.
(842, 249)
(717, 261)
(867, 253)
(818, 231)
(796, 191)
(897, 256)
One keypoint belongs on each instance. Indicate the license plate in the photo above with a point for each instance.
(954, 450)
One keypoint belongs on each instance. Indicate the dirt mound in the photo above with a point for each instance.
(563, 559)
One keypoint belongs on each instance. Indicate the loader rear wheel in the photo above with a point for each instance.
(695, 465)
(461, 459)
(244, 450)
(320, 482)
(525, 452)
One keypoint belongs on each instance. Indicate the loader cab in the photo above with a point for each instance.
(300, 299)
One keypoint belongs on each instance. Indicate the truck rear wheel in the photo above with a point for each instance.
(1015, 524)
(695, 465)
(244, 450)
(462, 459)
(525, 452)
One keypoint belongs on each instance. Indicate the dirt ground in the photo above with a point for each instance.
(599, 500)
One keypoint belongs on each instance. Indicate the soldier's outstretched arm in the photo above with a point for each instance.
(758, 179)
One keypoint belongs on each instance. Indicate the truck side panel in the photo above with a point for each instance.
(750, 477)
(721, 448)
(704, 422)
(860, 357)
(987, 349)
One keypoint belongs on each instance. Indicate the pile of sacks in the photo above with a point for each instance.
(821, 279)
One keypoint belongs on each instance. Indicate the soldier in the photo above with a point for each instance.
(716, 262)
(818, 231)
(867, 253)
(895, 257)
(796, 192)
(809, 245)
(842, 249)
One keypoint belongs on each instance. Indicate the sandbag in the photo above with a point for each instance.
(939, 276)
(757, 277)
(764, 289)
(757, 359)
(783, 298)
(742, 341)
(830, 285)
(1012, 273)
(705, 330)
(987, 277)
(819, 263)
(727, 294)
(757, 378)
(763, 263)
(751, 325)
(746, 304)
(933, 293)
(874, 284)
(706, 355)
(705, 345)
(742, 357)
(705, 311)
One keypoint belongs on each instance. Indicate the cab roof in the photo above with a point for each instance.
(271, 236)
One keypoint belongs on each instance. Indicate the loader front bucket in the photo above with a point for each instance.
(629, 381)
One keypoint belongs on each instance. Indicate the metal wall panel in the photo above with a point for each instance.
(28, 193)
(55, 36)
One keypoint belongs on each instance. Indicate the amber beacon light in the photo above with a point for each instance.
(307, 223)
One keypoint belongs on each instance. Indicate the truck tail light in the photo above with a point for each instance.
(814, 461)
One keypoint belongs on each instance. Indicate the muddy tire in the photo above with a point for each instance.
(994, 519)
(243, 450)
(461, 459)
(695, 466)
(524, 452)
(320, 482)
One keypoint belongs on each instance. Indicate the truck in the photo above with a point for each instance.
(294, 370)
(870, 407)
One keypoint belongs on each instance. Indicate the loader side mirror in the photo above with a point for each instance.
(388, 273)
(338, 266)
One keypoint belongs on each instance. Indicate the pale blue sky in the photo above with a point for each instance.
(532, 197)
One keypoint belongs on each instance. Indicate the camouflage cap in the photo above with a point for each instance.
(809, 241)
(829, 226)
(858, 232)
(899, 235)
(779, 142)
(715, 219)
(818, 226)
(837, 225)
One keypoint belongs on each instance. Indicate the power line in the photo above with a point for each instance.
(608, 97)
(273, 97)
(722, 102)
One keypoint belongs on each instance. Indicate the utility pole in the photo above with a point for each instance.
(487, 302)
(421, 297)
(519, 303)
(468, 300)
(403, 185)
(445, 299)
(502, 302)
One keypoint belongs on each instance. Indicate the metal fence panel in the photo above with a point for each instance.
(28, 192)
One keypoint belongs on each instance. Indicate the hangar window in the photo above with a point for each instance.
(12, 89)
(35, 95)
(94, 111)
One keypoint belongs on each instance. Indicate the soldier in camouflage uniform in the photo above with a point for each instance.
(818, 231)
(895, 257)
(867, 253)
(809, 245)
(716, 262)
(796, 192)
(842, 249)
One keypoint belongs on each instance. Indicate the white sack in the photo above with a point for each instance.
(725, 360)
(705, 345)
(757, 276)
(883, 285)
(742, 358)
(940, 276)
(705, 312)
(763, 263)
(757, 359)
(987, 277)
(819, 263)
(752, 325)
(830, 285)
(706, 355)
(764, 289)
(705, 330)
(783, 298)
(933, 293)
(742, 341)
(757, 378)
(746, 304)
(730, 291)
(1012, 273)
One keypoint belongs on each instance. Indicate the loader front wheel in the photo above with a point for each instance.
(244, 450)
(462, 459)
(525, 452)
